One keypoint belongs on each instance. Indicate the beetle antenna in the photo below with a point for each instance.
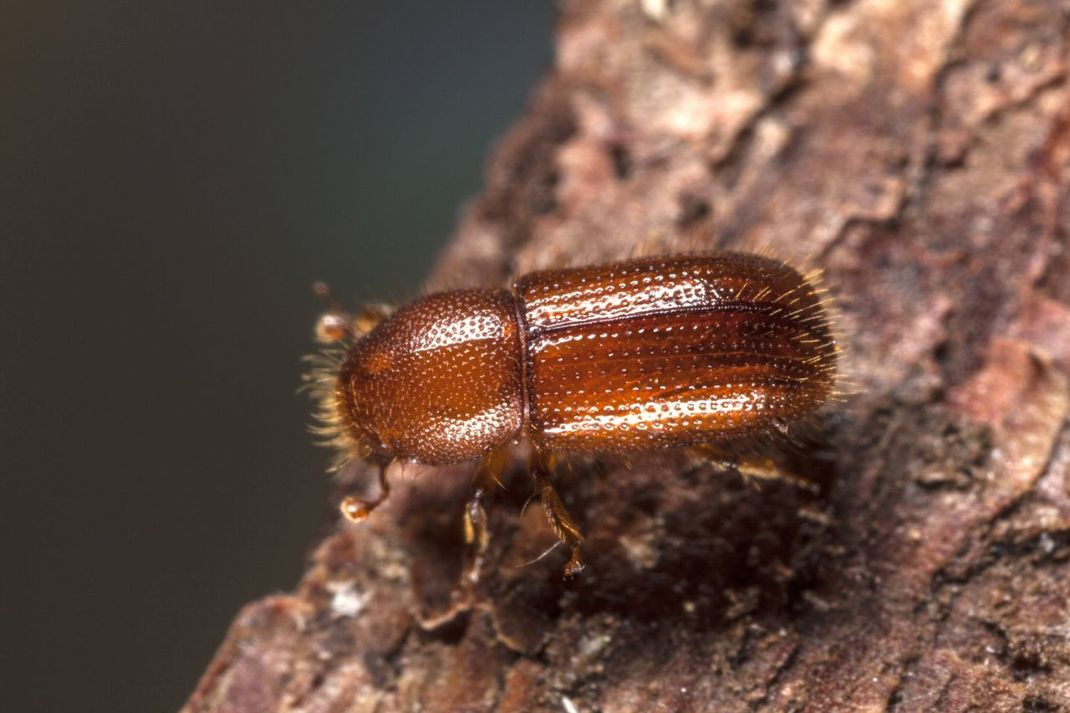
(335, 324)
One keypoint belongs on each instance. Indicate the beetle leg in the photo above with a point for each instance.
(476, 536)
(476, 533)
(752, 467)
(358, 509)
(560, 521)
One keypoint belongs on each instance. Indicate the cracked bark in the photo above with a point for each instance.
(917, 151)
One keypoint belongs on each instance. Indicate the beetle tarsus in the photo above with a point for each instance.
(358, 509)
(560, 521)
(575, 564)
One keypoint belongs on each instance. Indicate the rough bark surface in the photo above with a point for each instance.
(918, 151)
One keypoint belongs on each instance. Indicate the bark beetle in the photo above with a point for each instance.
(919, 152)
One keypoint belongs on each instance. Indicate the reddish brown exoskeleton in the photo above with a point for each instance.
(651, 353)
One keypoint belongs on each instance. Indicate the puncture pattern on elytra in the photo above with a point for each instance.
(650, 353)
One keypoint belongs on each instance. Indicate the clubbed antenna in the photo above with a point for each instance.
(335, 324)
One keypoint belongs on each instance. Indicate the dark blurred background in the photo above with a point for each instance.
(173, 177)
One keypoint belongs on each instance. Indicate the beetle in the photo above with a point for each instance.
(666, 352)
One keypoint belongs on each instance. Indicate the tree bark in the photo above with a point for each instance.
(918, 151)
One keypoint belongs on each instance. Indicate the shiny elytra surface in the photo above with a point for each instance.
(671, 351)
(641, 354)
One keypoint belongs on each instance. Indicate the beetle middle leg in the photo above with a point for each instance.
(476, 534)
(557, 515)
(485, 477)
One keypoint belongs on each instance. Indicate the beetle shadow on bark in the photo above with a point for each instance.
(667, 539)
(702, 545)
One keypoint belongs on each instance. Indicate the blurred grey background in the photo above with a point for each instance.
(173, 177)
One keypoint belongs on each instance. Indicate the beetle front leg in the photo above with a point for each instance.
(358, 509)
